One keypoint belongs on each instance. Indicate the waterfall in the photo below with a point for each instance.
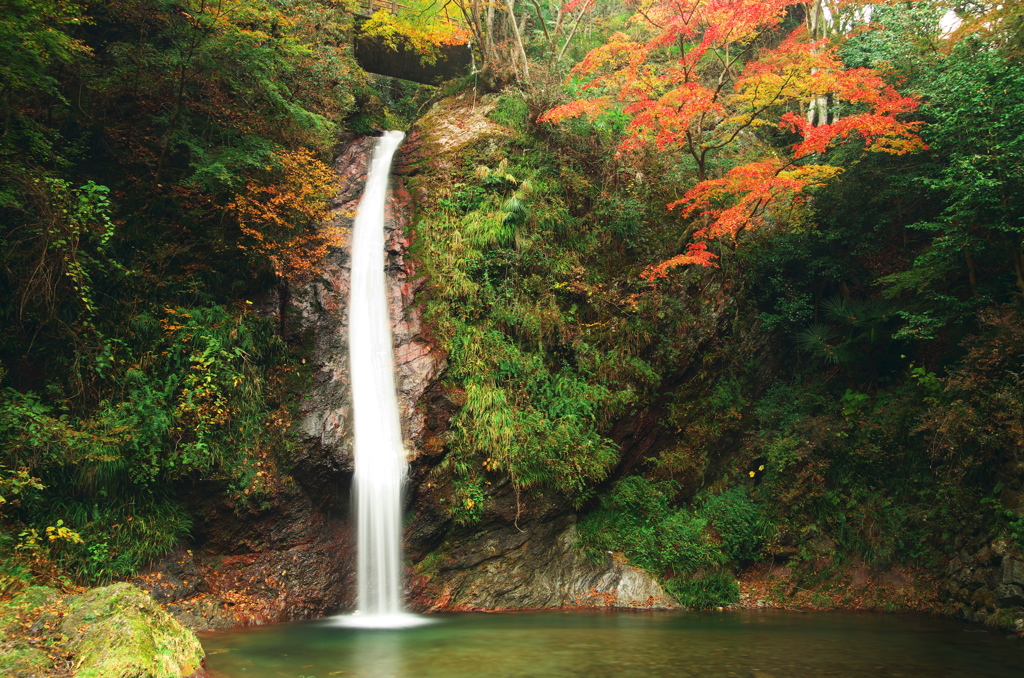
(380, 461)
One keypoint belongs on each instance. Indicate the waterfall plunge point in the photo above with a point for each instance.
(380, 459)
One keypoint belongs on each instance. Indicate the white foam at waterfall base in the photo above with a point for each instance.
(403, 620)
(380, 459)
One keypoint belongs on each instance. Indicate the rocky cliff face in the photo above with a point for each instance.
(988, 585)
(321, 307)
(523, 553)
(293, 558)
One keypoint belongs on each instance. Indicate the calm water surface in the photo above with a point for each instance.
(622, 645)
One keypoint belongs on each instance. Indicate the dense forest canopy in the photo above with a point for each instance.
(785, 235)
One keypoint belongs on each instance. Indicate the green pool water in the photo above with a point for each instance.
(621, 645)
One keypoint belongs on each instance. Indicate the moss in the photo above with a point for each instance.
(120, 632)
(33, 607)
(431, 564)
(24, 607)
(21, 660)
(454, 124)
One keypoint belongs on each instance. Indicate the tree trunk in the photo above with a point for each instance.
(572, 32)
(519, 40)
(972, 274)
(817, 109)
(543, 25)
(489, 30)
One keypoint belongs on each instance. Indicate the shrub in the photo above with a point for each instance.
(710, 590)
(741, 525)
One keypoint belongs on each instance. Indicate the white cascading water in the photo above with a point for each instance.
(380, 461)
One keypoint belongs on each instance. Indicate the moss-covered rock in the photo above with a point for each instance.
(440, 138)
(20, 660)
(120, 632)
(22, 618)
(25, 608)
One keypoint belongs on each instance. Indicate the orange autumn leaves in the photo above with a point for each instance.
(276, 216)
(742, 199)
(693, 75)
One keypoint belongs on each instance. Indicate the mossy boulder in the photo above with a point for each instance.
(120, 632)
(439, 140)
(33, 610)
(26, 608)
(21, 660)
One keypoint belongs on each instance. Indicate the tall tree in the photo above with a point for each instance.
(696, 76)
(423, 26)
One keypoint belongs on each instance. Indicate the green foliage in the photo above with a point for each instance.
(131, 364)
(881, 445)
(816, 372)
(547, 436)
(685, 548)
(975, 100)
(1015, 527)
(877, 477)
(512, 111)
(976, 239)
(537, 393)
(740, 524)
(789, 269)
(907, 44)
(186, 398)
(712, 590)
(36, 37)
(118, 536)
(121, 170)
(978, 415)
(860, 331)
(14, 483)
(534, 248)
(638, 518)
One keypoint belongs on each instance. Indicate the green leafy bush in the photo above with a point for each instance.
(512, 111)
(187, 397)
(638, 519)
(687, 549)
(741, 525)
(711, 590)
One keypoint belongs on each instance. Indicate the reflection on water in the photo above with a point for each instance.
(624, 645)
(378, 654)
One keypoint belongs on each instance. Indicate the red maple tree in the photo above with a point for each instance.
(693, 75)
